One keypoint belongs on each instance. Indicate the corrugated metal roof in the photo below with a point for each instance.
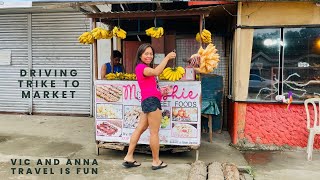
(151, 14)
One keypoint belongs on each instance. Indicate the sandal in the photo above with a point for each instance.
(128, 164)
(160, 166)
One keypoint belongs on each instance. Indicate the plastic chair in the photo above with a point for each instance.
(315, 127)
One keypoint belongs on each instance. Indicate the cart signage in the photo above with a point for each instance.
(118, 110)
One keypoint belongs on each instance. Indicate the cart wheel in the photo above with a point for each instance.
(97, 151)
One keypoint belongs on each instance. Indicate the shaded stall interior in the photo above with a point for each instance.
(180, 26)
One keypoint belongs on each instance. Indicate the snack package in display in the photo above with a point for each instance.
(165, 90)
(190, 74)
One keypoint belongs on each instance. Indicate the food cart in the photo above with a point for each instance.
(118, 113)
(117, 102)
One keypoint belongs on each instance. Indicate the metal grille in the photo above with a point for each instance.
(14, 37)
(55, 46)
(187, 47)
(222, 69)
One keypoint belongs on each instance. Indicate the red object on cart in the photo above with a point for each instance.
(200, 3)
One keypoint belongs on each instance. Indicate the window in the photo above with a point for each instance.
(265, 57)
(285, 60)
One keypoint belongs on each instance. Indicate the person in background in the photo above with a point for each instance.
(151, 114)
(115, 63)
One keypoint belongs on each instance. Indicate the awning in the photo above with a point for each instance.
(203, 11)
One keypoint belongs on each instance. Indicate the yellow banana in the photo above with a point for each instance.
(97, 33)
(110, 34)
(155, 32)
(165, 70)
(171, 77)
(115, 30)
(179, 76)
(206, 32)
(104, 34)
(118, 32)
(83, 37)
(181, 69)
(168, 74)
(177, 70)
(198, 37)
(204, 38)
(161, 31)
(175, 76)
(149, 31)
(158, 33)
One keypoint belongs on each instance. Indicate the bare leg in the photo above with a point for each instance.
(154, 120)
(142, 126)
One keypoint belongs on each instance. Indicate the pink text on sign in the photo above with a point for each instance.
(182, 95)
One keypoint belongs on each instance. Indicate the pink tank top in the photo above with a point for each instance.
(148, 84)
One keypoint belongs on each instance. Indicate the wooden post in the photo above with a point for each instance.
(236, 60)
(197, 154)
(210, 126)
(209, 117)
(158, 46)
(200, 30)
(119, 46)
(95, 53)
(170, 45)
(111, 60)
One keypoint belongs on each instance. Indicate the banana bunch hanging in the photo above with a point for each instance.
(209, 59)
(101, 33)
(155, 32)
(204, 36)
(172, 74)
(86, 38)
(118, 32)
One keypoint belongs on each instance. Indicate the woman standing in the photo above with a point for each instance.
(150, 104)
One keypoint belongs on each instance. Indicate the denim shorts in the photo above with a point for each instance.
(150, 104)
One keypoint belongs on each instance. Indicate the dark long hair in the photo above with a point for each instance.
(142, 48)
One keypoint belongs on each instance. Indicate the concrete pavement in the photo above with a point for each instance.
(288, 165)
(65, 139)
